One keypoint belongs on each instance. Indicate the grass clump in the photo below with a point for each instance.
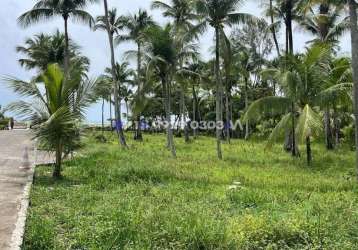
(141, 198)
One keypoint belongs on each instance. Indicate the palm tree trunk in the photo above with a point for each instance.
(102, 116)
(110, 111)
(336, 127)
(309, 151)
(167, 98)
(287, 42)
(67, 50)
(194, 112)
(138, 134)
(58, 164)
(183, 118)
(354, 41)
(227, 113)
(328, 130)
(289, 25)
(293, 132)
(247, 128)
(117, 111)
(218, 93)
(273, 30)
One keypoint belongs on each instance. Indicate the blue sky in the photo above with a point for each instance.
(94, 44)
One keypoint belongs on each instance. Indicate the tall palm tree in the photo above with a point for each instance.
(115, 22)
(183, 16)
(286, 11)
(180, 11)
(163, 55)
(354, 41)
(137, 25)
(218, 14)
(48, 9)
(54, 119)
(117, 112)
(274, 25)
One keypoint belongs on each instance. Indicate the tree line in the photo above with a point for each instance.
(251, 76)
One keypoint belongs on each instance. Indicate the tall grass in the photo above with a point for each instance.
(141, 198)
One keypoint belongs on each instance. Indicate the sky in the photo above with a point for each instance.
(94, 45)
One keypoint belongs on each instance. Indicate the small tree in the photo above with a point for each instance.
(55, 118)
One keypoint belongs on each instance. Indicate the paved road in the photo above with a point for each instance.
(13, 178)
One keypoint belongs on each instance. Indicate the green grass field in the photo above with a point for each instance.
(141, 198)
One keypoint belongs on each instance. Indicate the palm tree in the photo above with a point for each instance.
(163, 55)
(115, 22)
(195, 79)
(48, 9)
(219, 13)
(337, 90)
(287, 11)
(117, 112)
(327, 27)
(104, 91)
(43, 50)
(55, 118)
(182, 14)
(300, 83)
(274, 25)
(137, 25)
(354, 41)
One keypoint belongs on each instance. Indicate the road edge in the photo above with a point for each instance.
(17, 236)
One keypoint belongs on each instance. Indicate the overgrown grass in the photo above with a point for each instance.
(141, 198)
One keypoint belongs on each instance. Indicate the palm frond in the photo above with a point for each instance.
(267, 106)
(280, 130)
(309, 124)
(35, 16)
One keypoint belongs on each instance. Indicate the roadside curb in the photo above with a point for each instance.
(19, 231)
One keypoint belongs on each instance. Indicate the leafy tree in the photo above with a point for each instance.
(55, 118)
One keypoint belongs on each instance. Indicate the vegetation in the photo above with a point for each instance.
(253, 196)
(138, 199)
(54, 117)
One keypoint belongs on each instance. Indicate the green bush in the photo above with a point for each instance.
(4, 123)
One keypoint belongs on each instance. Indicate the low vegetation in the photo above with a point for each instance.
(141, 198)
